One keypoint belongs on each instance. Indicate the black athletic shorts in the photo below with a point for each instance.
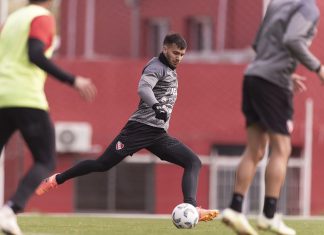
(136, 136)
(267, 104)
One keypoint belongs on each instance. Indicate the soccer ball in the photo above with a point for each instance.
(185, 215)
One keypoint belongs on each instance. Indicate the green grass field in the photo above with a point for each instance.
(98, 225)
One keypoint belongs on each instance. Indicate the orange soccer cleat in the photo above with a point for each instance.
(47, 185)
(206, 214)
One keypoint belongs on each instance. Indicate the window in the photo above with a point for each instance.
(157, 30)
(200, 34)
(128, 187)
(228, 150)
(227, 157)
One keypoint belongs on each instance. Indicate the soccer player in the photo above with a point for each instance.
(281, 42)
(26, 44)
(147, 128)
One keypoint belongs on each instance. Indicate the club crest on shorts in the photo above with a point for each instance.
(119, 145)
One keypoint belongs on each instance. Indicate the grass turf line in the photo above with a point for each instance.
(92, 225)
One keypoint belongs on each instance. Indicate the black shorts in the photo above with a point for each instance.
(135, 136)
(267, 104)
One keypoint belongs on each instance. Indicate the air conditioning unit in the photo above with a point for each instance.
(73, 137)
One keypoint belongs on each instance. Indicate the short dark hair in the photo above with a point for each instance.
(176, 39)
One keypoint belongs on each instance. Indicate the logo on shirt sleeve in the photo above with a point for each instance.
(119, 145)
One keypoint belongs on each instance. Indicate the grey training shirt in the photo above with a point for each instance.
(283, 40)
(158, 84)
